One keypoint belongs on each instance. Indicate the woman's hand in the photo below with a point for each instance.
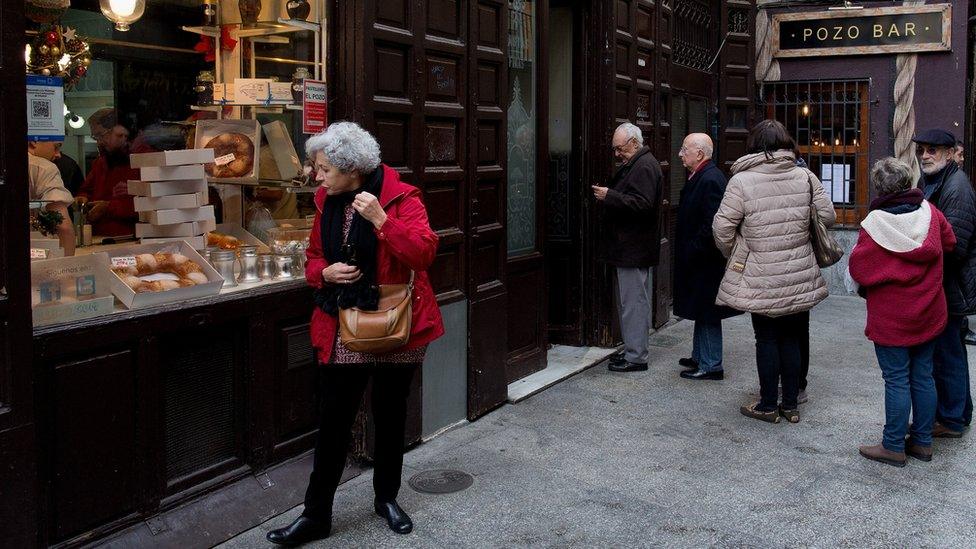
(369, 207)
(340, 273)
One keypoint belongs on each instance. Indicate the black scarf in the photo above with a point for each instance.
(905, 201)
(359, 249)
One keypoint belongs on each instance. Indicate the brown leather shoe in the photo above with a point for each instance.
(883, 455)
(750, 410)
(791, 415)
(941, 431)
(917, 451)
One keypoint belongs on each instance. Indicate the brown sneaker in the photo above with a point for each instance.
(750, 410)
(941, 431)
(883, 455)
(793, 416)
(917, 451)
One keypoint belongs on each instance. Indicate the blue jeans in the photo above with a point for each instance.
(951, 373)
(909, 389)
(707, 345)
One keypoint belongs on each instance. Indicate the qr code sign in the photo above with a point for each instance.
(41, 108)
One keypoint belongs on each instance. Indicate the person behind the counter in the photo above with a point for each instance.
(112, 211)
(71, 174)
(46, 184)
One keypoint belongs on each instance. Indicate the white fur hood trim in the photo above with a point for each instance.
(899, 233)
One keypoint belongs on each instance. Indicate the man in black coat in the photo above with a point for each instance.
(698, 264)
(632, 242)
(949, 190)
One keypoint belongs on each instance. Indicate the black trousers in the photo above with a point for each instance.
(342, 392)
(805, 352)
(778, 357)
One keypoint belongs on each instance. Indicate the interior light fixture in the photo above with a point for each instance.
(806, 110)
(76, 121)
(122, 12)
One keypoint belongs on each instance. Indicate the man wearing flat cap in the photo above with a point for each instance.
(948, 189)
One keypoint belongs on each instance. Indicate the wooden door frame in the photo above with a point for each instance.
(20, 491)
(523, 362)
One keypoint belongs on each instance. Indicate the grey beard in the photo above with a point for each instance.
(935, 167)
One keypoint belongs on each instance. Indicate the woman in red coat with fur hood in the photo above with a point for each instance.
(370, 229)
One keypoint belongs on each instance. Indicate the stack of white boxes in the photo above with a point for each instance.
(171, 196)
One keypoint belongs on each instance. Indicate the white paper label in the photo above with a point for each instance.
(38, 253)
(225, 159)
(641, 63)
(123, 261)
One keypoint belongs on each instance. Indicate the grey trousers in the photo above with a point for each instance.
(634, 308)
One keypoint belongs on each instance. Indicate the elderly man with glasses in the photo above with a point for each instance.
(111, 209)
(948, 189)
(631, 203)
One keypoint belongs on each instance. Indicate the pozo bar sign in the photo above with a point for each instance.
(862, 32)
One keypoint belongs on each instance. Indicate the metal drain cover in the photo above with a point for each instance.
(441, 481)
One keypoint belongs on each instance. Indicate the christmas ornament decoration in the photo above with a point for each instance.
(58, 51)
(45, 12)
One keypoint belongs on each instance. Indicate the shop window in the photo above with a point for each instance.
(829, 120)
(522, 135)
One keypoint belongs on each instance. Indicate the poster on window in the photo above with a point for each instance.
(45, 108)
(836, 179)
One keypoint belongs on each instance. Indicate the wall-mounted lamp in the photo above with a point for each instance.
(122, 12)
(847, 6)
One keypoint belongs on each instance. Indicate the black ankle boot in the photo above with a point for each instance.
(398, 520)
(303, 530)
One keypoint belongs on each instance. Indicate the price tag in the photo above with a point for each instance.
(225, 159)
(38, 253)
(123, 261)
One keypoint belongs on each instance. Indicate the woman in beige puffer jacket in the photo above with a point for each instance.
(763, 227)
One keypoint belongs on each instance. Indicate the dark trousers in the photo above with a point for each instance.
(805, 352)
(951, 373)
(343, 389)
(778, 357)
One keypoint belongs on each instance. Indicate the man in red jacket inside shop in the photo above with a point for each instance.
(111, 208)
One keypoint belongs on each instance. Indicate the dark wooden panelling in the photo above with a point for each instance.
(94, 465)
(19, 488)
(395, 13)
(487, 53)
(737, 80)
(295, 379)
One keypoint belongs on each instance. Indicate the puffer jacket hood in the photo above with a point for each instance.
(763, 227)
(777, 161)
(908, 235)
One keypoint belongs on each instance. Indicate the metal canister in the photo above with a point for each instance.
(285, 267)
(266, 266)
(224, 261)
(205, 88)
(249, 264)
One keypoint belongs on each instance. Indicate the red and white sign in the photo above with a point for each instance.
(316, 112)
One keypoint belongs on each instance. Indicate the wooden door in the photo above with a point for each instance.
(642, 54)
(428, 78)
(527, 135)
(736, 79)
(487, 184)
(19, 494)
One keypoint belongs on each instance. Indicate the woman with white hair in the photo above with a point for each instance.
(370, 229)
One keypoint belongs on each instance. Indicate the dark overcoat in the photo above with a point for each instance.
(950, 191)
(632, 237)
(698, 265)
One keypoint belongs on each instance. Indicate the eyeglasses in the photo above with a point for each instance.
(921, 149)
(620, 148)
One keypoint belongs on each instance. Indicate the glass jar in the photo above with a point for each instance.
(298, 84)
(209, 10)
(205, 88)
(298, 9)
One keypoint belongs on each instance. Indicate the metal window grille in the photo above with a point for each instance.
(694, 34)
(829, 120)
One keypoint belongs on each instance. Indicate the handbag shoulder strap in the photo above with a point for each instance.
(410, 283)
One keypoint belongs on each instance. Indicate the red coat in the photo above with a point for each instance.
(898, 261)
(111, 184)
(406, 242)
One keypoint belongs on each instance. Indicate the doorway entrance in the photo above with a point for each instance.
(565, 189)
